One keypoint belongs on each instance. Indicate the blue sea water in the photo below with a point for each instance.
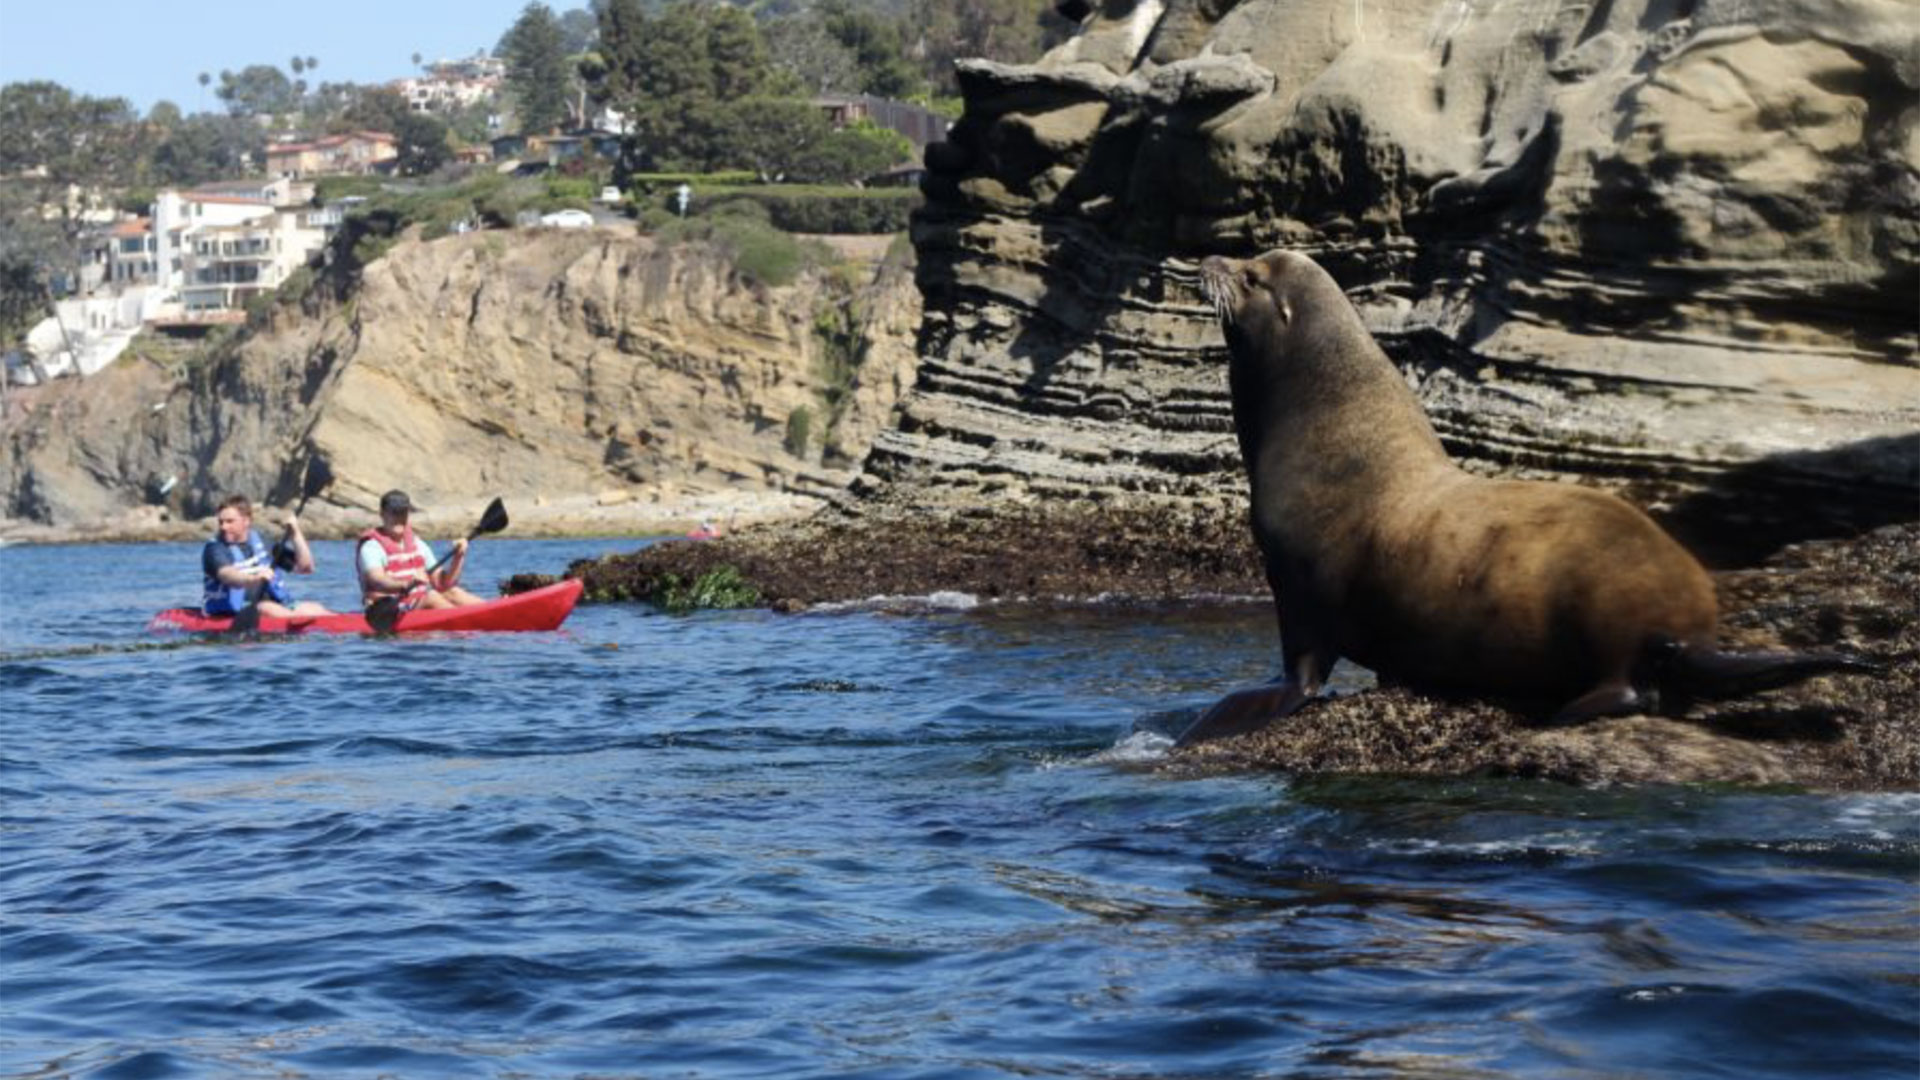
(865, 843)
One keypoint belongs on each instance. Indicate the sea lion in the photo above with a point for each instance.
(1380, 549)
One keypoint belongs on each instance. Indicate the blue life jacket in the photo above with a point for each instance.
(221, 599)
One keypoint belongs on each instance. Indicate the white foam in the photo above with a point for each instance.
(935, 601)
(1138, 748)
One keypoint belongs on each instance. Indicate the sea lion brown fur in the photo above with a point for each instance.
(1379, 549)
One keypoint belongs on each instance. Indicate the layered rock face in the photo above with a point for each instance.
(1665, 246)
(526, 364)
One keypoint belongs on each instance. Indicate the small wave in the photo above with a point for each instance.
(905, 604)
(1885, 818)
(1138, 748)
(373, 746)
(1519, 849)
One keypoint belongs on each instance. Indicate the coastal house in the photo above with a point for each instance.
(275, 191)
(193, 261)
(131, 254)
(228, 265)
(920, 126)
(356, 153)
(554, 149)
(445, 93)
(217, 251)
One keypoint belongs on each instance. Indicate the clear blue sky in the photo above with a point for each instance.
(147, 51)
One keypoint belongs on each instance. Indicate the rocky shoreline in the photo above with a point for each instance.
(1833, 733)
(654, 510)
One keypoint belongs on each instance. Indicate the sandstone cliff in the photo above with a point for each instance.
(541, 365)
(1665, 246)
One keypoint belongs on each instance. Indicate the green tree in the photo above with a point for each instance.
(622, 50)
(578, 29)
(1012, 31)
(164, 116)
(375, 108)
(877, 45)
(203, 147)
(851, 154)
(57, 143)
(736, 54)
(537, 68)
(764, 134)
(819, 62)
(258, 90)
(671, 74)
(423, 145)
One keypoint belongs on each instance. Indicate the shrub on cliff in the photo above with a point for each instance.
(804, 208)
(758, 251)
(800, 208)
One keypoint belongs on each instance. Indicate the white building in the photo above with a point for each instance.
(230, 264)
(199, 257)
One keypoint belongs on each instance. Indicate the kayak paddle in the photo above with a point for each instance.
(383, 613)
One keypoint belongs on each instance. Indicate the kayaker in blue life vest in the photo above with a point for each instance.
(237, 566)
(392, 561)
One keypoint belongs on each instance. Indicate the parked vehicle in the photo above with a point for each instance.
(567, 219)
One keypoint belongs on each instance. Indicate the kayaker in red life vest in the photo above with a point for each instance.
(392, 561)
(238, 566)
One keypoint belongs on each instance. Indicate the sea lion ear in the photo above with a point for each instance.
(1285, 308)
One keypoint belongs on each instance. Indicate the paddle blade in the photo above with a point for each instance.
(246, 620)
(492, 520)
(383, 613)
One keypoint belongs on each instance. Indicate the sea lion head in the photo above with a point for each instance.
(1257, 297)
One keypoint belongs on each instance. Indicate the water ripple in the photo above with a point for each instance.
(893, 844)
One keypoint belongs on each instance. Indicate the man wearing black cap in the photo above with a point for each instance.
(393, 562)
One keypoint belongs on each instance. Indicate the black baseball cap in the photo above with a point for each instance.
(395, 502)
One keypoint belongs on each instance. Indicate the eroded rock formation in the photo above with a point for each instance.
(1662, 245)
(530, 364)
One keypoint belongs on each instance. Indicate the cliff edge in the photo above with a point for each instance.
(569, 370)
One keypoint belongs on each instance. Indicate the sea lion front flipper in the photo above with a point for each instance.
(1246, 710)
(1612, 698)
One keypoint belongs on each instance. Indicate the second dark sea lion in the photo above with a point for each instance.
(1380, 549)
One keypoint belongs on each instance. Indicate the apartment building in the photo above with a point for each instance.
(356, 153)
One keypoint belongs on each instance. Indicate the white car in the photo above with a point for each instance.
(567, 219)
(610, 195)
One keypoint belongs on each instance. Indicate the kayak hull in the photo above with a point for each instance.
(544, 608)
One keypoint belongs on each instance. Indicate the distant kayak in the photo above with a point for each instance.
(544, 608)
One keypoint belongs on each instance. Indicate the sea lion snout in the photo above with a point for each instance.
(1220, 285)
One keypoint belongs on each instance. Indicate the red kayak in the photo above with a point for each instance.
(544, 608)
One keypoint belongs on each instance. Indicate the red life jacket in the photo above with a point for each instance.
(403, 557)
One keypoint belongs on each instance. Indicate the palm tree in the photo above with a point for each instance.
(204, 80)
(298, 65)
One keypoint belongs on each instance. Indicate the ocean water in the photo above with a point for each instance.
(921, 841)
